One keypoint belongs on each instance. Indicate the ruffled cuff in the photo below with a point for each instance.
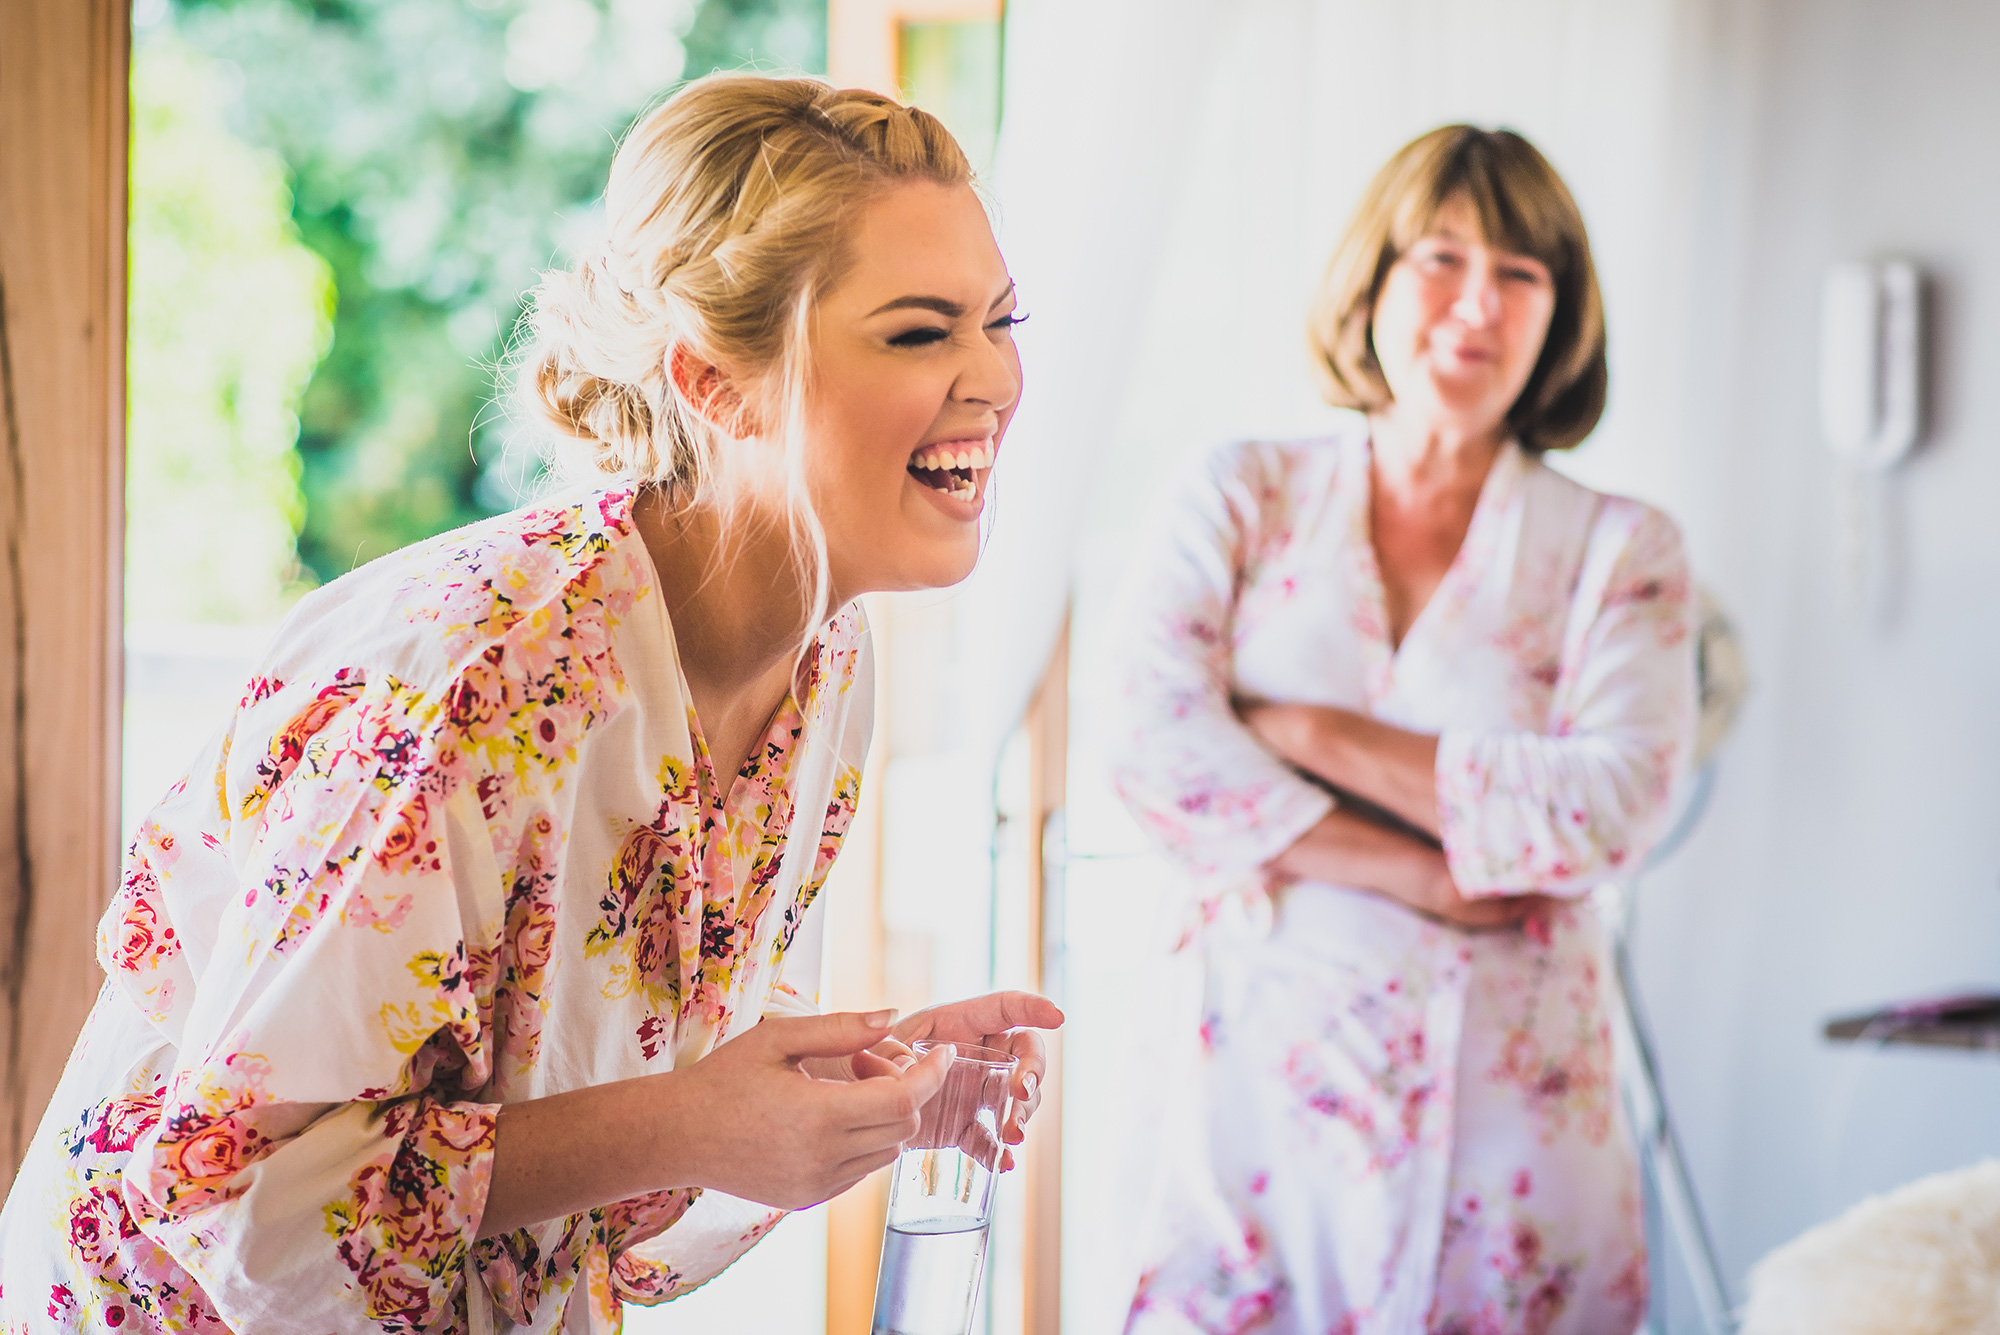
(1497, 841)
(1281, 818)
(531, 1269)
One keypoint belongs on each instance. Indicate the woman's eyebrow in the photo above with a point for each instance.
(1005, 293)
(949, 309)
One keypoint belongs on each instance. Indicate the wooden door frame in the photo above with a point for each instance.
(64, 130)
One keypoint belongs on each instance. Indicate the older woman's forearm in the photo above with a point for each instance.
(1346, 849)
(1392, 767)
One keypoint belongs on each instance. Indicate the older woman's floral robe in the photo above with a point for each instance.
(459, 846)
(1407, 1127)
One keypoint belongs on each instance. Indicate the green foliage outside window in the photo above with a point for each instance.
(229, 315)
(440, 153)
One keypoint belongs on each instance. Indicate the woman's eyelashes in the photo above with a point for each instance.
(926, 335)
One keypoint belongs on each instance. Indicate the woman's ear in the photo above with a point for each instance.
(715, 394)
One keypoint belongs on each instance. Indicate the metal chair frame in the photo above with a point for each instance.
(1661, 1160)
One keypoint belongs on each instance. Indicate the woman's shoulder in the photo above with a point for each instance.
(1615, 517)
(552, 573)
(1267, 472)
(1617, 532)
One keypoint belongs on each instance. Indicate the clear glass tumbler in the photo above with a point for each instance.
(942, 1199)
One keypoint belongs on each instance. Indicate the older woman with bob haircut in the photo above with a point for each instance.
(1408, 694)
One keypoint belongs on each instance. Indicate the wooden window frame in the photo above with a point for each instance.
(64, 129)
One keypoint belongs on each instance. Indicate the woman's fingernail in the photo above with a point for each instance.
(1029, 1084)
(879, 1019)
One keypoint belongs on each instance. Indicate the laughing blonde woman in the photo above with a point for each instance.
(1419, 692)
(465, 983)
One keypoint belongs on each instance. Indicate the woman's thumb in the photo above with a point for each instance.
(836, 1035)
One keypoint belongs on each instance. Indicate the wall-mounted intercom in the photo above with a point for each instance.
(1871, 374)
(1871, 361)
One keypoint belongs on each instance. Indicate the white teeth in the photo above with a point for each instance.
(937, 458)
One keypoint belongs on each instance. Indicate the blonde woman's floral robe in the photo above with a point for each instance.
(1404, 1127)
(460, 845)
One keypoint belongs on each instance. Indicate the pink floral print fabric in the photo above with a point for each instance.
(1407, 1127)
(460, 845)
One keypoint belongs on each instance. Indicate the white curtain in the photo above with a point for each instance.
(1100, 99)
(1170, 176)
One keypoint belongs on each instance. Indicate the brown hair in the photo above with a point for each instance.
(1524, 207)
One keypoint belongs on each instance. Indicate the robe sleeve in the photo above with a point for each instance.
(317, 1163)
(1188, 769)
(1563, 811)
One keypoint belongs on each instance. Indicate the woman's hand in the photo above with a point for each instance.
(1436, 895)
(1004, 1020)
(768, 1131)
(1285, 729)
(747, 1119)
(1346, 849)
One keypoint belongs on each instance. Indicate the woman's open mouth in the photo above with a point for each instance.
(954, 467)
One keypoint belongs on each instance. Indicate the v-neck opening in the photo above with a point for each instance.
(775, 743)
(718, 800)
(1453, 586)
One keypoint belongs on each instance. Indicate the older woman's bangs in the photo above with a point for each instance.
(1523, 207)
(1508, 194)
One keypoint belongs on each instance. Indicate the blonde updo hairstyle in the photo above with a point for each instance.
(1523, 206)
(726, 214)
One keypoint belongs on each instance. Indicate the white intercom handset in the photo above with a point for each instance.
(1870, 409)
(1870, 361)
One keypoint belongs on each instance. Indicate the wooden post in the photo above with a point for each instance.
(1047, 726)
(855, 982)
(63, 132)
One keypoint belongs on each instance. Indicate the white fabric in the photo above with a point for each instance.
(1083, 182)
(1409, 1126)
(460, 845)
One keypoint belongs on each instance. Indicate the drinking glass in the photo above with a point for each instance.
(941, 1200)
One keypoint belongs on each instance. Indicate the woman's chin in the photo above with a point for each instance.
(945, 565)
(906, 563)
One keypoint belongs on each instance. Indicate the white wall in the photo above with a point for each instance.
(1724, 152)
(1853, 853)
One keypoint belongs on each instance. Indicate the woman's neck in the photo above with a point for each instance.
(738, 604)
(1429, 454)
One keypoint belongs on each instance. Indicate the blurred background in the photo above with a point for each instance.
(337, 206)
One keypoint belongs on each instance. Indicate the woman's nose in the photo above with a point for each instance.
(993, 379)
(1478, 300)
